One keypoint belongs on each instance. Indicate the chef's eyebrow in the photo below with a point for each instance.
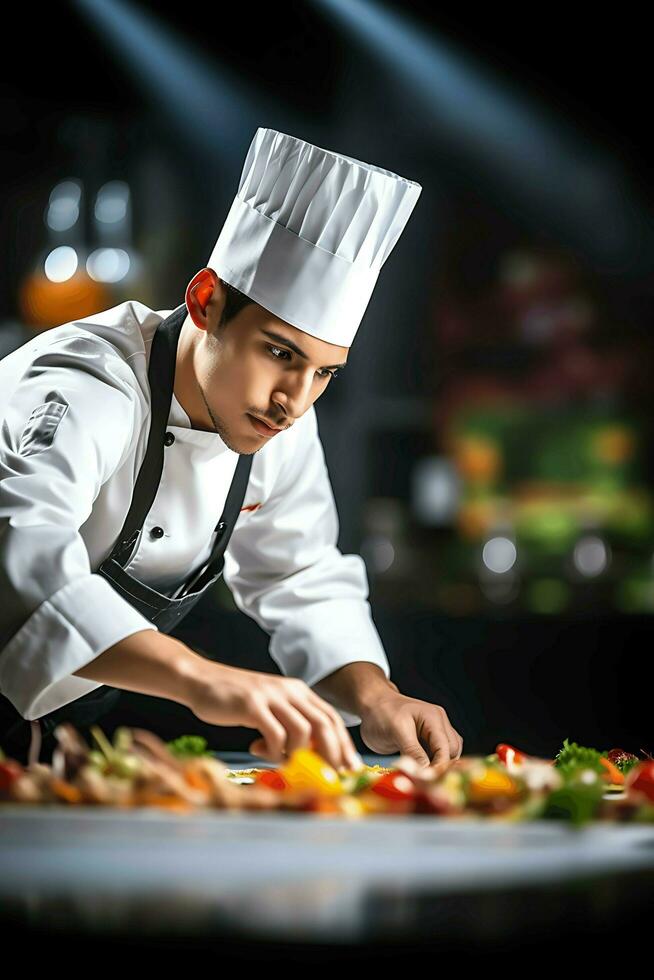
(281, 339)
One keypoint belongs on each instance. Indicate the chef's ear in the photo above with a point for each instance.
(204, 293)
(198, 293)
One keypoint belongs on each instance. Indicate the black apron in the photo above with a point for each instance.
(164, 612)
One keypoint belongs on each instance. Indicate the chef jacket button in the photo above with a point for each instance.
(169, 439)
(157, 532)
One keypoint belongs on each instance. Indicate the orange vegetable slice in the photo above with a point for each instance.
(65, 790)
(612, 774)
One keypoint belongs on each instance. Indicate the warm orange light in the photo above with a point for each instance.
(44, 304)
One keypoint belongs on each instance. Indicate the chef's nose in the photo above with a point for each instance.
(294, 394)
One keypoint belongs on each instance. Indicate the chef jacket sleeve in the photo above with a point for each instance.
(67, 426)
(284, 570)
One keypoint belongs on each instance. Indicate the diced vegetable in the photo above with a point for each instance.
(272, 778)
(641, 779)
(578, 799)
(625, 761)
(613, 774)
(394, 786)
(488, 783)
(507, 754)
(362, 781)
(307, 770)
(10, 770)
(66, 791)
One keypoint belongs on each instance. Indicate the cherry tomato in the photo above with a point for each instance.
(394, 786)
(506, 753)
(272, 778)
(641, 778)
(10, 770)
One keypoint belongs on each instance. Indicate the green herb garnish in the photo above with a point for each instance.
(624, 761)
(362, 781)
(577, 800)
(573, 757)
(189, 745)
(625, 765)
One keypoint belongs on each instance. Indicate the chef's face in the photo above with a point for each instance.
(254, 367)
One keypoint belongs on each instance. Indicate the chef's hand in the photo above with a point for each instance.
(287, 712)
(397, 723)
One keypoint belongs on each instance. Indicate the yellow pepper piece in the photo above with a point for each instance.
(490, 783)
(306, 769)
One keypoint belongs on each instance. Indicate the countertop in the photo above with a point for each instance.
(315, 878)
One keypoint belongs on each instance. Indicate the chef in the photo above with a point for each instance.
(143, 453)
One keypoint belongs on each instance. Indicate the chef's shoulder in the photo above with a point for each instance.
(80, 387)
(108, 346)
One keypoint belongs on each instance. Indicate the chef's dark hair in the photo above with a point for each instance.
(235, 300)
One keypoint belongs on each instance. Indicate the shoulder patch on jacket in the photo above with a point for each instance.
(42, 424)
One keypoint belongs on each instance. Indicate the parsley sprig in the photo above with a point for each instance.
(573, 757)
(188, 745)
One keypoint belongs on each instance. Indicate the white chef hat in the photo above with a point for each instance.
(308, 232)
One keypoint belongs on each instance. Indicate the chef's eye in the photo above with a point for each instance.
(271, 349)
(280, 351)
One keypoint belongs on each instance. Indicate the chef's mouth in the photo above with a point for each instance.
(268, 429)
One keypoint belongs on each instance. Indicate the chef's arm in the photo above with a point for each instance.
(150, 662)
(67, 426)
(285, 571)
(355, 687)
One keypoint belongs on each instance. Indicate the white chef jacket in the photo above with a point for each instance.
(75, 417)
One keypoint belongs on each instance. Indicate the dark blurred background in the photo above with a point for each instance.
(490, 445)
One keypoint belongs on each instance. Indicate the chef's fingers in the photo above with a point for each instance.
(320, 730)
(454, 739)
(326, 719)
(405, 732)
(299, 731)
(299, 728)
(274, 734)
(455, 742)
(441, 741)
(437, 736)
(304, 696)
(353, 758)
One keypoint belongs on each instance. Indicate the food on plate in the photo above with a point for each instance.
(138, 769)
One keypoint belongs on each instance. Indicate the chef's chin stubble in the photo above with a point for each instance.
(222, 429)
(218, 377)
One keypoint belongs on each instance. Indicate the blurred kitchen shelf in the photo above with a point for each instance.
(394, 413)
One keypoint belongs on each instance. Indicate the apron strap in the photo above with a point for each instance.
(161, 377)
(233, 504)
